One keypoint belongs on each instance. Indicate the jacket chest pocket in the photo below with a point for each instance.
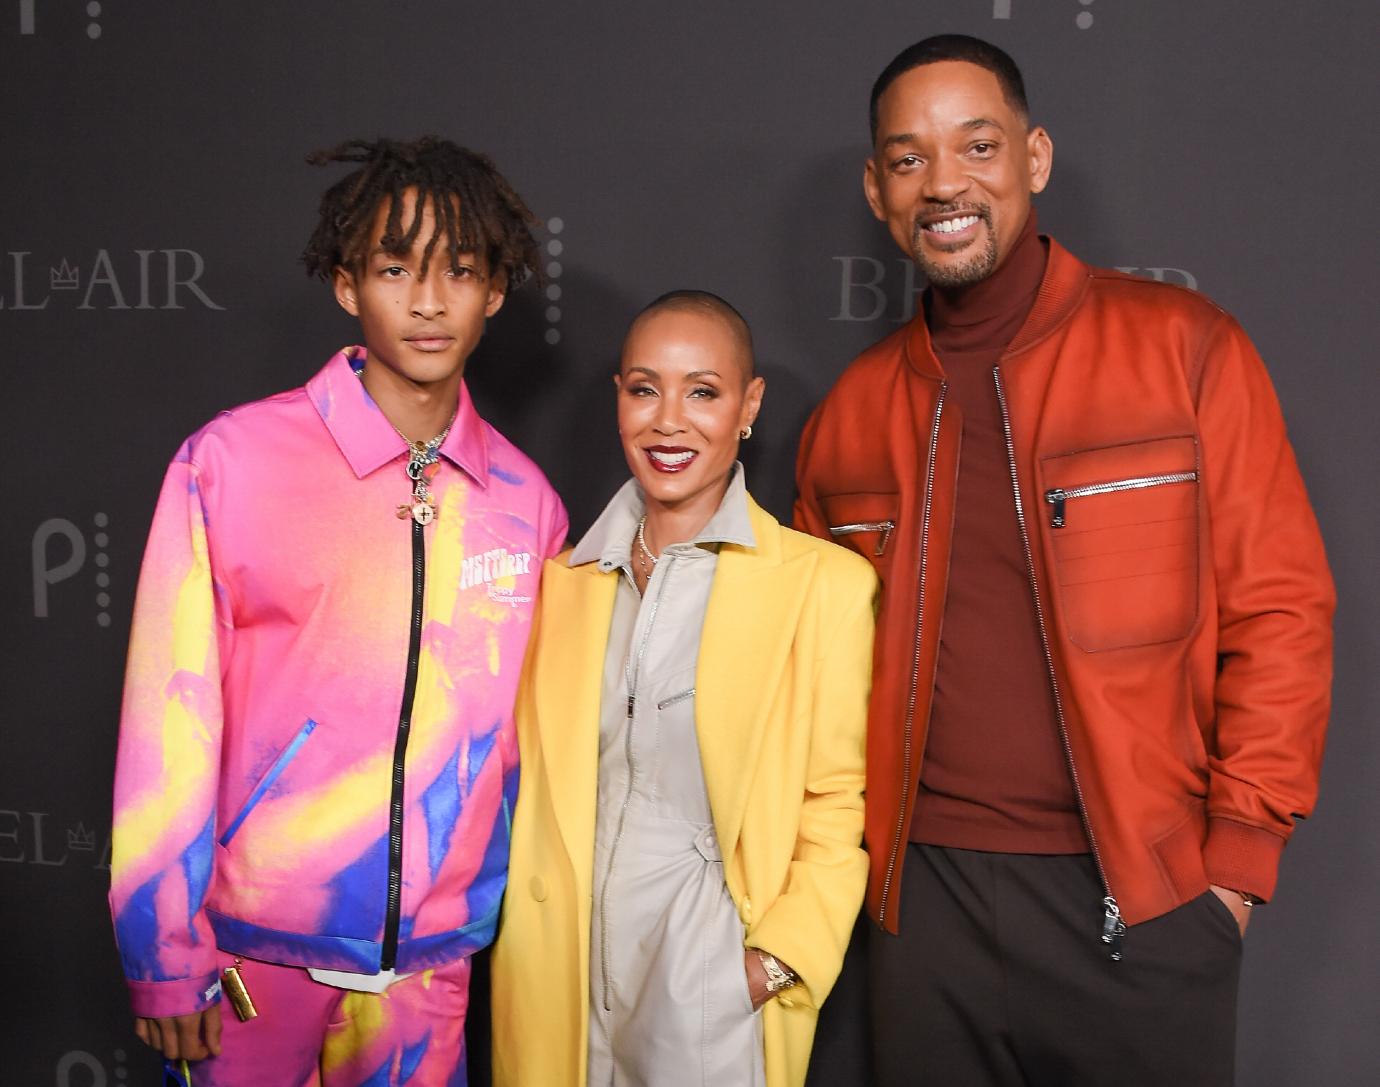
(865, 523)
(1121, 523)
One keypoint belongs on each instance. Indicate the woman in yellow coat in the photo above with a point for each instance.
(686, 863)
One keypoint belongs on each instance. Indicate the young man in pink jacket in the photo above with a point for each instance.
(317, 761)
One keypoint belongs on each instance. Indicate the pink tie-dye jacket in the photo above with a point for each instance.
(268, 675)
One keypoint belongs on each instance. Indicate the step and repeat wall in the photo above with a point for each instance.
(154, 201)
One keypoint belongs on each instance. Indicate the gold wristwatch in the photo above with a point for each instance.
(778, 977)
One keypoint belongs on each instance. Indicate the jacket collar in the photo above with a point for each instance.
(609, 539)
(367, 439)
(1062, 288)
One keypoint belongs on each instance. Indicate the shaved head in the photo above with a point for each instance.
(706, 304)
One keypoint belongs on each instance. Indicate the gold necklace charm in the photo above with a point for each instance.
(423, 462)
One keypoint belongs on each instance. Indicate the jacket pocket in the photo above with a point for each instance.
(865, 523)
(1121, 523)
(270, 776)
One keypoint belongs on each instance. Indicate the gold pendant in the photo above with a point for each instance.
(238, 994)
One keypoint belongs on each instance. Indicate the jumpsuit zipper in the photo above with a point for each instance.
(915, 660)
(632, 670)
(393, 916)
(1113, 927)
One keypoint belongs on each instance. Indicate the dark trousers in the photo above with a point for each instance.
(999, 978)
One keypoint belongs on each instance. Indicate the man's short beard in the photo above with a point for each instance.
(973, 270)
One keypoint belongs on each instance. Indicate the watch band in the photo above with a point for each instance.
(778, 977)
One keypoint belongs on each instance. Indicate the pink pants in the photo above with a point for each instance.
(312, 1035)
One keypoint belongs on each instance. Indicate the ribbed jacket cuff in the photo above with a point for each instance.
(1242, 857)
(182, 996)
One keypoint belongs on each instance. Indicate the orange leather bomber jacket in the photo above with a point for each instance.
(1183, 595)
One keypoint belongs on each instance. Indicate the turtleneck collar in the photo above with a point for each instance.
(990, 312)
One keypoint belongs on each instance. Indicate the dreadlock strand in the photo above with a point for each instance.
(473, 203)
(447, 215)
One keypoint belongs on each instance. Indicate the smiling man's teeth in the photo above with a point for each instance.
(951, 226)
(671, 458)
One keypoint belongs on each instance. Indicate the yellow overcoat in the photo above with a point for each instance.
(781, 707)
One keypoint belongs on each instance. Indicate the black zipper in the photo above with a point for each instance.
(393, 917)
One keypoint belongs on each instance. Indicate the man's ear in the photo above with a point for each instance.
(1040, 148)
(872, 189)
(346, 290)
(498, 292)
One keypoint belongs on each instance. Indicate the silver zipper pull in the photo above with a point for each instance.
(1113, 928)
(1056, 499)
(887, 526)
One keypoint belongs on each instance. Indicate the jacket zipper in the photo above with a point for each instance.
(392, 918)
(915, 660)
(884, 527)
(267, 781)
(1113, 927)
(632, 671)
(1059, 495)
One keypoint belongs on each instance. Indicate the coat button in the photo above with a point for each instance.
(538, 888)
(786, 1002)
(745, 910)
(707, 842)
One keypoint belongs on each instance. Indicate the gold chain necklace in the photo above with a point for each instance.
(423, 462)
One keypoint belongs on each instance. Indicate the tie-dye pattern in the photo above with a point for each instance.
(411, 1035)
(276, 591)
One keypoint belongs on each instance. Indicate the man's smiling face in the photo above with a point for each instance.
(953, 170)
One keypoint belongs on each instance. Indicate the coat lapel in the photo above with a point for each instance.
(577, 606)
(749, 629)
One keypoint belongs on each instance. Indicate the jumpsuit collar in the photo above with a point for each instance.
(610, 538)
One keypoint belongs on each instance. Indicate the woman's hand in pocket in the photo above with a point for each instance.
(756, 976)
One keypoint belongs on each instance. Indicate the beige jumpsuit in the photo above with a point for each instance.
(669, 1001)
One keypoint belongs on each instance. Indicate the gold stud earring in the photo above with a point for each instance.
(745, 433)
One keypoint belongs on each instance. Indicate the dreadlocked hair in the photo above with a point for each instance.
(475, 207)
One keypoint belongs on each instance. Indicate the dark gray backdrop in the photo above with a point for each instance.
(154, 202)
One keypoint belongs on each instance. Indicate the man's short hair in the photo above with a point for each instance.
(954, 47)
(704, 302)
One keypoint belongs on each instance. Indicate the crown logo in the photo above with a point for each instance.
(63, 277)
(79, 837)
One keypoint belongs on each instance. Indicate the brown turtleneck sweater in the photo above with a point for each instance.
(994, 776)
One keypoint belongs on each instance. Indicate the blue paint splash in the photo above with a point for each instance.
(356, 905)
(412, 1057)
(197, 861)
(441, 807)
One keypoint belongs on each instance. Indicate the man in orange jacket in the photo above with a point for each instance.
(1104, 648)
